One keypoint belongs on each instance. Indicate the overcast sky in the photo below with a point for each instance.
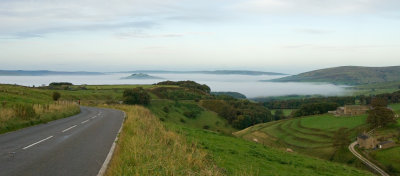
(270, 35)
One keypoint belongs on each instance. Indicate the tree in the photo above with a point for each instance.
(341, 138)
(56, 96)
(136, 96)
(379, 102)
(380, 117)
(279, 115)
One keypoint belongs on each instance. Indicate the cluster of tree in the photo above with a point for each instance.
(177, 93)
(341, 138)
(279, 115)
(230, 94)
(380, 115)
(297, 103)
(315, 108)
(60, 84)
(187, 84)
(239, 113)
(390, 97)
(136, 96)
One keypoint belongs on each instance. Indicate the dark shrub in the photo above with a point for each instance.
(136, 96)
(190, 114)
(166, 109)
(56, 96)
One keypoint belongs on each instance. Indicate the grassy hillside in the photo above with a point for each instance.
(148, 146)
(173, 112)
(312, 135)
(347, 75)
(184, 138)
(240, 157)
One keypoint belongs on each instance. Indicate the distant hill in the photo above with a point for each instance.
(141, 76)
(347, 75)
(216, 72)
(43, 73)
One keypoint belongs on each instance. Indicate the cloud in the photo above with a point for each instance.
(140, 34)
(318, 7)
(26, 18)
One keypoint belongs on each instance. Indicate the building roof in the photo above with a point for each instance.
(385, 142)
(356, 107)
(363, 136)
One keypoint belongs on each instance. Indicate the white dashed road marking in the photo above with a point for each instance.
(69, 128)
(37, 142)
(84, 121)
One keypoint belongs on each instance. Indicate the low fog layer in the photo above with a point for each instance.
(247, 85)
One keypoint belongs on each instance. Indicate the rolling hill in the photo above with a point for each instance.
(141, 76)
(347, 75)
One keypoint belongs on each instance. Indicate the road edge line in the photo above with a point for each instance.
(104, 167)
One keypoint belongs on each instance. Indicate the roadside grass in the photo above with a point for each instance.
(311, 135)
(146, 147)
(21, 116)
(22, 106)
(205, 119)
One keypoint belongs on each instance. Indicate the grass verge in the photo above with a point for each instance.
(22, 116)
(146, 147)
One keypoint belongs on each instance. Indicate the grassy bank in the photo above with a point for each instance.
(240, 157)
(24, 115)
(146, 147)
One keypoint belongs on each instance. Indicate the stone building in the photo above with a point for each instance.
(350, 110)
(367, 142)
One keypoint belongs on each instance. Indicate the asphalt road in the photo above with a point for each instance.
(76, 145)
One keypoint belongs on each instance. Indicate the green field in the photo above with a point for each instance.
(312, 135)
(390, 158)
(395, 107)
(240, 157)
(374, 89)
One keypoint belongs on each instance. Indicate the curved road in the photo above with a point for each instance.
(76, 145)
(365, 161)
